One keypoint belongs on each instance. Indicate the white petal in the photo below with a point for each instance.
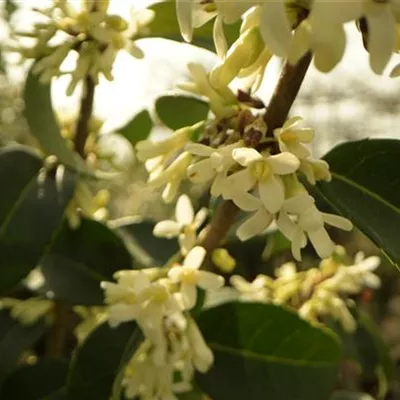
(369, 264)
(199, 149)
(187, 241)
(329, 51)
(218, 184)
(189, 295)
(245, 156)
(219, 37)
(272, 193)
(325, 12)
(305, 135)
(167, 229)
(203, 355)
(299, 203)
(184, 213)
(382, 35)
(210, 281)
(275, 28)
(298, 242)
(246, 201)
(184, 12)
(254, 225)
(121, 313)
(300, 43)
(175, 274)
(200, 217)
(239, 181)
(201, 171)
(283, 163)
(337, 221)
(231, 11)
(298, 149)
(195, 257)
(322, 243)
(286, 225)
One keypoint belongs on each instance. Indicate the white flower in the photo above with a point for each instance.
(215, 166)
(185, 225)
(255, 224)
(291, 138)
(315, 170)
(310, 224)
(189, 276)
(261, 171)
(258, 290)
(323, 31)
(29, 311)
(222, 100)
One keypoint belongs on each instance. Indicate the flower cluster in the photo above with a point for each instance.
(290, 29)
(91, 31)
(259, 173)
(316, 292)
(159, 300)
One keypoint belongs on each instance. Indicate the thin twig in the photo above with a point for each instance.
(278, 109)
(58, 333)
(86, 110)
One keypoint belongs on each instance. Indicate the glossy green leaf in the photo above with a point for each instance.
(98, 361)
(180, 111)
(43, 125)
(31, 211)
(42, 381)
(138, 128)
(14, 339)
(365, 188)
(264, 351)
(147, 250)
(345, 395)
(165, 25)
(80, 259)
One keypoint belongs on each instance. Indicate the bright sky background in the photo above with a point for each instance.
(138, 82)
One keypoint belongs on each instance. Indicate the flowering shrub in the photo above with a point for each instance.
(96, 308)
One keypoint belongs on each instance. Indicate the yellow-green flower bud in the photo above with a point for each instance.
(223, 260)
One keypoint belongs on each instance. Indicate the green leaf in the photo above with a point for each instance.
(264, 351)
(43, 125)
(100, 358)
(147, 250)
(80, 259)
(44, 380)
(180, 111)
(345, 395)
(365, 188)
(165, 25)
(14, 339)
(138, 128)
(31, 210)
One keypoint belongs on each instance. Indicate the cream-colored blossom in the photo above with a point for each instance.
(189, 276)
(262, 172)
(258, 290)
(309, 224)
(222, 101)
(215, 166)
(29, 311)
(323, 31)
(291, 138)
(185, 225)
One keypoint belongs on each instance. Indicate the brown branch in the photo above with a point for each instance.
(278, 109)
(58, 333)
(86, 109)
(285, 93)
